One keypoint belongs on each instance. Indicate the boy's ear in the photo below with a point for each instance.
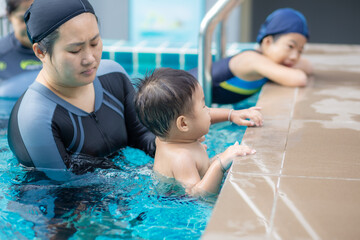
(181, 124)
(38, 52)
(267, 40)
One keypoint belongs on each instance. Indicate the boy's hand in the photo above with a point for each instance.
(239, 117)
(233, 151)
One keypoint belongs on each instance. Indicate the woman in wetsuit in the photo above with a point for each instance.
(80, 109)
(281, 41)
(74, 108)
(18, 64)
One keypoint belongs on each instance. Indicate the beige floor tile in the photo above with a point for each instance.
(270, 142)
(327, 100)
(301, 208)
(310, 208)
(263, 162)
(323, 149)
(272, 101)
(244, 209)
(271, 136)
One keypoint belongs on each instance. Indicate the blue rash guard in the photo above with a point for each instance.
(48, 133)
(18, 67)
(227, 88)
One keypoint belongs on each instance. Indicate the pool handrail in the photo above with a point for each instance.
(218, 13)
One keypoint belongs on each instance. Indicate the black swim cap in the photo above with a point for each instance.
(45, 16)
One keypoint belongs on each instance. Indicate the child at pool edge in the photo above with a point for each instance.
(170, 103)
(281, 40)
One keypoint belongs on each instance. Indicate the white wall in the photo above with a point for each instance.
(113, 16)
(2, 7)
(114, 24)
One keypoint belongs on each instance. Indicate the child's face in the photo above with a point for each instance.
(286, 50)
(200, 120)
(17, 21)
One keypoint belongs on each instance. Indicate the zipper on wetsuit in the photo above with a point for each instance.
(93, 115)
(106, 140)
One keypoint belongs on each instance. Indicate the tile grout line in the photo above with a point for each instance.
(135, 56)
(272, 216)
(291, 176)
(182, 53)
(253, 206)
(286, 200)
(158, 52)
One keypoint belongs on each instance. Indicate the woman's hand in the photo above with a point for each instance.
(239, 117)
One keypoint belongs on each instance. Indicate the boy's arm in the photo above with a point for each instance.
(305, 65)
(252, 62)
(186, 172)
(237, 116)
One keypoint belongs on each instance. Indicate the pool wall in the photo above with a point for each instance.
(137, 58)
(304, 180)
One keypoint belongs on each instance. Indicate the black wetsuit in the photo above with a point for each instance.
(18, 67)
(45, 131)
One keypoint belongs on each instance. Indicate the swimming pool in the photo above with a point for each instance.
(106, 204)
(114, 203)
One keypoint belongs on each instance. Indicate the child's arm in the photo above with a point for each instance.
(252, 63)
(304, 65)
(187, 172)
(237, 116)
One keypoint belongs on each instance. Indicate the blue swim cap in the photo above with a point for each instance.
(283, 20)
(45, 16)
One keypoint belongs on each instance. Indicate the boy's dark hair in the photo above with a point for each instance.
(162, 96)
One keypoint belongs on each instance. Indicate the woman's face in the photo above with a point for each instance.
(76, 53)
(286, 50)
(17, 21)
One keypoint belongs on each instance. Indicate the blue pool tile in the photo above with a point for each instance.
(125, 59)
(191, 61)
(147, 60)
(105, 55)
(171, 60)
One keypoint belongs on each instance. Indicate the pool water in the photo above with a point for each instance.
(125, 203)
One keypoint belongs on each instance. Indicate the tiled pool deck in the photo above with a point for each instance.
(304, 181)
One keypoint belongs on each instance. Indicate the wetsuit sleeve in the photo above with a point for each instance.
(138, 135)
(31, 136)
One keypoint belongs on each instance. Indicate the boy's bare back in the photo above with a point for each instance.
(186, 162)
